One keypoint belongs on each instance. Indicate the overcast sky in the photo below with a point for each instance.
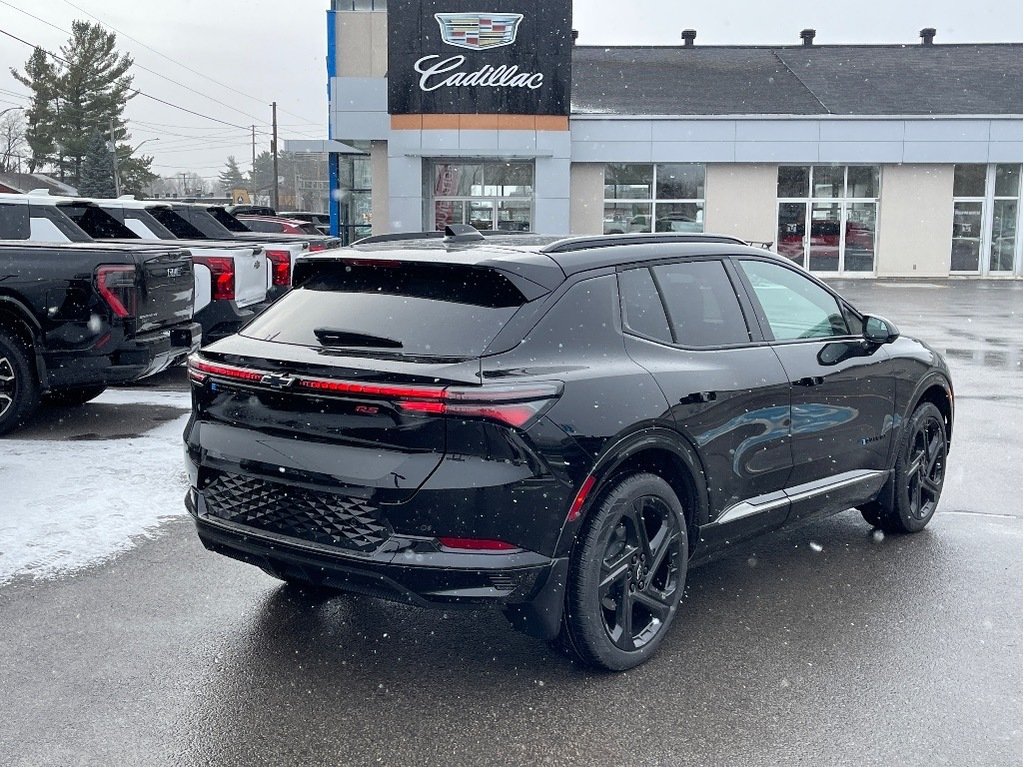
(259, 51)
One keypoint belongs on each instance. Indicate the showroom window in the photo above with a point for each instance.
(828, 217)
(488, 195)
(986, 210)
(667, 197)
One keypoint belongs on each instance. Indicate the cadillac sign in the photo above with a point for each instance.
(514, 59)
(478, 31)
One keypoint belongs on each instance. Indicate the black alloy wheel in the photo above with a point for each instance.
(919, 474)
(19, 392)
(628, 574)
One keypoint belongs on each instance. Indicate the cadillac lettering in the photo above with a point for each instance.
(436, 73)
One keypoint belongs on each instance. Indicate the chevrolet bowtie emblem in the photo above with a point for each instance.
(278, 380)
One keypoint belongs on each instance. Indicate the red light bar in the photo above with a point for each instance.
(198, 370)
(483, 545)
(371, 390)
(280, 266)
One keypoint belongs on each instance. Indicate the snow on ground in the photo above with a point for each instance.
(67, 504)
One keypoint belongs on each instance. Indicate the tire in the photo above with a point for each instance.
(919, 473)
(19, 390)
(627, 574)
(74, 397)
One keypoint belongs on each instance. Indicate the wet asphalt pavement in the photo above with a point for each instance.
(822, 645)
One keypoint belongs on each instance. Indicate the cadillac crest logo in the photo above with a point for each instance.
(479, 31)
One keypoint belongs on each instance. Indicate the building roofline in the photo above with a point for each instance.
(794, 116)
(794, 47)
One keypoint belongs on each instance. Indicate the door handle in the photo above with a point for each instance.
(809, 381)
(698, 397)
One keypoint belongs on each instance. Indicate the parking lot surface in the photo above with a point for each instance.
(125, 642)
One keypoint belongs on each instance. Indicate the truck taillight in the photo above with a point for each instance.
(318, 246)
(280, 267)
(117, 285)
(222, 276)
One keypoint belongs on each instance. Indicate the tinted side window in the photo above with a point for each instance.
(14, 222)
(255, 225)
(702, 304)
(176, 224)
(642, 310)
(795, 306)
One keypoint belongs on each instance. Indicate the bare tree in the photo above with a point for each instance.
(13, 146)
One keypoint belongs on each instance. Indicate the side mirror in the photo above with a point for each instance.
(878, 330)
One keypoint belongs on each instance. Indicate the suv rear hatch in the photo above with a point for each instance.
(348, 380)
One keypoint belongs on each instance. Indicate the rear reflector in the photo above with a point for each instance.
(281, 266)
(222, 276)
(581, 498)
(116, 284)
(481, 545)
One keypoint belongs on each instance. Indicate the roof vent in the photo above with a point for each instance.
(689, 35)
(807, 35)
(927, 35)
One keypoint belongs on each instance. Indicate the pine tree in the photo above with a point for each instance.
(73, 99)
(97, 170)
(135, 172)
(231, 177)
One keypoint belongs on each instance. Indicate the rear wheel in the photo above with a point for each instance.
(19, 390)
(919, 474)
(73, 397)
(627, 575)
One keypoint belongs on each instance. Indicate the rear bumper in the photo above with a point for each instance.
(527, 586)
(136, 358)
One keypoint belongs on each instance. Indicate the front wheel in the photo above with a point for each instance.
(19, 390)
(919, 474)
(627, 575)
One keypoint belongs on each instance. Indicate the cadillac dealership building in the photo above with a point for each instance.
(887, 160)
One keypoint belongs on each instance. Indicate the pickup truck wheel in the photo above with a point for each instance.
(19, 390)
(73, 397)
(627, 574)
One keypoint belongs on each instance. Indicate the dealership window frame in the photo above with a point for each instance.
(985, 206)
(491, 194)
(845, 202)
(660, 176)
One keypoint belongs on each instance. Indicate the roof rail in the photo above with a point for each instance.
(607, 241)
(394, 237)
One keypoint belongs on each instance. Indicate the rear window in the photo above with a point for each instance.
(227, 220)
(255, 225)
(399, 309)
(176, 224)
(96, 222)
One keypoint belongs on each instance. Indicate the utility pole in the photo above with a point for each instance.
(113, 154)
(273, 150)
(253, 179)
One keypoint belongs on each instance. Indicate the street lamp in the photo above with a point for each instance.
(9, 109)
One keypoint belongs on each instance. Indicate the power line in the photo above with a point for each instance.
(184, 66)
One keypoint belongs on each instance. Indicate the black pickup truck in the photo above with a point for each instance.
(77, 317)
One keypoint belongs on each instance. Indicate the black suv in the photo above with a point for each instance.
(557, 429)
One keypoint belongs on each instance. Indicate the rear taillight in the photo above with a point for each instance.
(222, 276)
(117, 285)
(512, 404)
(280, 267)
(318, 246)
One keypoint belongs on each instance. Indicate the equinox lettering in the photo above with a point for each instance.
(435, 75)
